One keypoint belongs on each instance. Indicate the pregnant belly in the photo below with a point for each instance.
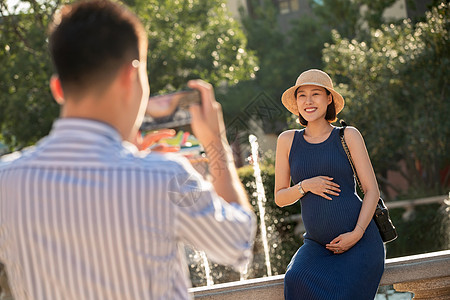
(326, 219)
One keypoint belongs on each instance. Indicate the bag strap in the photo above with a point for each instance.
(344, 145)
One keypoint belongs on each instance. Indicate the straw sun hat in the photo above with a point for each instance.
(311, 77)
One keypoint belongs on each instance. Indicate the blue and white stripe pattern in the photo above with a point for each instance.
(83, 215)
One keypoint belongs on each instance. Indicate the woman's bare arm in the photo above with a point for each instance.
(284, 193)
(363, 166)
(364, 169)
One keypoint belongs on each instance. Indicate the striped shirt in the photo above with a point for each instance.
(84, 215)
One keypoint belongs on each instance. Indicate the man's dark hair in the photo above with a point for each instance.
(330, 116)
(89, 41)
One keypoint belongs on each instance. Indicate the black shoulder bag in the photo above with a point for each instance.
(381, 216)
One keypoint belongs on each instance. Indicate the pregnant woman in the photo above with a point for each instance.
(342, 256)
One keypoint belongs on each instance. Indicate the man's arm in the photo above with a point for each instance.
(225, 230)
(209, 128)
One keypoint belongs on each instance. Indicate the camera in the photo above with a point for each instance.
(170, 110)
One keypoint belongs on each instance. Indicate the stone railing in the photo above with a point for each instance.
(425, 275)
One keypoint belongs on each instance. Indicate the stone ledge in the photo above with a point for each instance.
(258, 288)
(417, 267)
(436, 288)
(426, 268)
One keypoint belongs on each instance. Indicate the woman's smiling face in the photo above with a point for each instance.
(312, 102)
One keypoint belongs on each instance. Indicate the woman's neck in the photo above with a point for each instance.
(318, 129)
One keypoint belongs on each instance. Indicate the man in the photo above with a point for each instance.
(85, 215)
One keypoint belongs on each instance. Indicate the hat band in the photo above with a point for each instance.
(315, 83)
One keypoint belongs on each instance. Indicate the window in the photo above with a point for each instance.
(288, 6)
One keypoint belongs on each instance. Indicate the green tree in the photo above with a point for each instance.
(282, 55)
(187, 39)
(269, 44)
(193, 39)
(26, 106)
(350, 18)
(397, 94)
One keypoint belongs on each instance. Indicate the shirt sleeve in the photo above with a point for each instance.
(204, 220)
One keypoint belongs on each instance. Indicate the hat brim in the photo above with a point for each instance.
(290, 102)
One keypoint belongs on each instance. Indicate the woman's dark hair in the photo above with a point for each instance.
(90, 40)
(330, 116)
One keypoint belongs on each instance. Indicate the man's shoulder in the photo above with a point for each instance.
(15, 157)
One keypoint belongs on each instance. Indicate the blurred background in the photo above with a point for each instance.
(389, 59)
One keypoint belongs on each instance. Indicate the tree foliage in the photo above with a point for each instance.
(282, 55)
(396, 88)
(26, 106)
(187, 39)
(193, 39)
(352, 19)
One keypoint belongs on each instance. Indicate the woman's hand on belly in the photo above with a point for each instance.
(321, 186)
(344, 241)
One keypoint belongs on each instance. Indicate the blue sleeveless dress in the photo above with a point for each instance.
(314, 272)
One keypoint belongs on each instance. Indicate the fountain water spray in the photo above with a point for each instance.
(208, 275)
(243, 272)
(261, 199)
